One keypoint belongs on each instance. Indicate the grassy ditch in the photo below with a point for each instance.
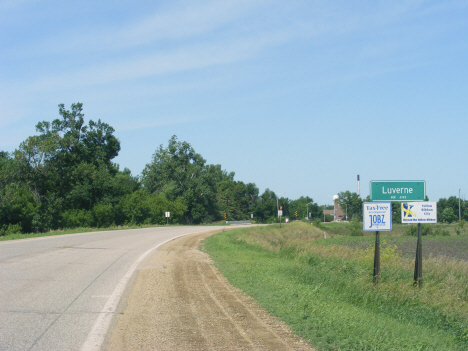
(323, 289)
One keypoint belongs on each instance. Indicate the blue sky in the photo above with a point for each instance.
(296, 96)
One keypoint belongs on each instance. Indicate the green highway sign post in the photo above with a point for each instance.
(397, 190)
(385, 192)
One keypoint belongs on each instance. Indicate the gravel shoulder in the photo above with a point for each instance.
(180, 301)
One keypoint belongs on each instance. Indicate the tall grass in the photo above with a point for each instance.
(325, 290)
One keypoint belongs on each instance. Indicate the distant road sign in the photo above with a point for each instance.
(397, 190)
(419, 212)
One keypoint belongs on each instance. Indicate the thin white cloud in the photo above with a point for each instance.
(181, 37)
(190, 57)
(156, 122)
(187, 22)
(174, 24)
(8, 5)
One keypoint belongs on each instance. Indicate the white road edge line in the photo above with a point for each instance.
(97, 335)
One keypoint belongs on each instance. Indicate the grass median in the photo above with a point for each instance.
(324, 289)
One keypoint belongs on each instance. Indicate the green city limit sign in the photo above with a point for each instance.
(397, 190)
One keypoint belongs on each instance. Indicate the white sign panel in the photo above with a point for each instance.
(168, 214)
(419, 212)
(377, 216)
(280, 213)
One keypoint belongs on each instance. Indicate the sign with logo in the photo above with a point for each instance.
(377, 216)
(419, 212)
(397, 190)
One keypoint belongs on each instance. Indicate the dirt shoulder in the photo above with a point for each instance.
(180, 301)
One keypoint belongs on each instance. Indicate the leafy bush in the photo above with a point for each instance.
(76, 219)
(442, 232)
(136, 207)
(448, 215)
(13, 229)
(317, 223)
(103, 215)
(355, 228)
(412, 230)
(388, 254)
(459, 229)
(426, 229)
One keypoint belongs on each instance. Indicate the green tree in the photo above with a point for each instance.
(236, 199)
(396, 212)
(136, 207)
(266, 208)
(177, 171)
(302, 205)
(67, 166)
(351, 203)
(18, 205)
(453, 203)
(448, 215)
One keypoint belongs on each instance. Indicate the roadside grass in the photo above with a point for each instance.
(324, 290)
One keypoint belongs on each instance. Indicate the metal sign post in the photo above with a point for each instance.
(377, 217)
(418, 261)
(167, 214)
(280, 214)
(419, 212)
(376, 275)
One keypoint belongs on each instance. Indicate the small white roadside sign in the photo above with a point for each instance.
(419, 212)
(377, 216)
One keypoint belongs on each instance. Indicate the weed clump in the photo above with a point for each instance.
(441, 232)
(412, 230)
(355, 228)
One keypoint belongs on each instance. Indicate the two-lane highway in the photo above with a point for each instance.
(61, 292)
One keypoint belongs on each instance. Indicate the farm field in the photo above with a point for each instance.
(450, 246)
(323, 288)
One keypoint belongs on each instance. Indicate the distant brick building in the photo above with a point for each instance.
(337, 212)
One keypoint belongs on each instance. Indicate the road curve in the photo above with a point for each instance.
(61, 292)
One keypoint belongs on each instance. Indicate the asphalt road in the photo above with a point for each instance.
(61, 292)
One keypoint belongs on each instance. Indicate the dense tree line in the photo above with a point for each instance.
(64, 177)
